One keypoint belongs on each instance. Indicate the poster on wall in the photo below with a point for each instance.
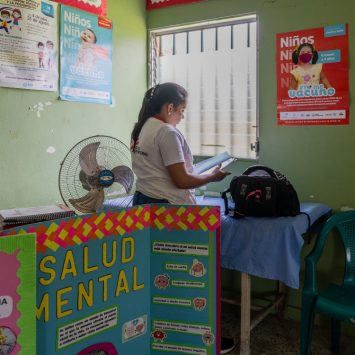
(313, 76)
(138, 281)
(159, 4)
(28, 45)
(86, 57)
(96, 7)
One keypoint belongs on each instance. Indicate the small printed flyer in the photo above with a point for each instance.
(143, 280)
(28, 45)
(313, 76)
(86, 57)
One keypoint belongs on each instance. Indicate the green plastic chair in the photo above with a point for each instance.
(338, 302)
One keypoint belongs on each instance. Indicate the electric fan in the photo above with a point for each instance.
(96, 174)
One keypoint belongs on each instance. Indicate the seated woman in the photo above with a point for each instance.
(161, 157)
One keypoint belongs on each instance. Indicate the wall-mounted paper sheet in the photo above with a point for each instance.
(28, 45)
(86, 57)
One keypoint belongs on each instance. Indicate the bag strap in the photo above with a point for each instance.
(309, 226)
(224, 196)
(253, 168)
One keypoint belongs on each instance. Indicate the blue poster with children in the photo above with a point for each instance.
(86, 57)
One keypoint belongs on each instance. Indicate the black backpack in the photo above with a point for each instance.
(261, 192)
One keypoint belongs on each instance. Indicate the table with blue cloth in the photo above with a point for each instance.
(268, 248)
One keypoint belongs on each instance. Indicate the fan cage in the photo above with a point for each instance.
(110, 154)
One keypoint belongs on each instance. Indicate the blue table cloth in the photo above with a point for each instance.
(266, 247)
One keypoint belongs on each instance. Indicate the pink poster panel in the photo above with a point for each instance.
(9, 299)
(96, 7)
(159, 4)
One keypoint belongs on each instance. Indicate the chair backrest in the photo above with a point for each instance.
(347, 230)
(345, 222)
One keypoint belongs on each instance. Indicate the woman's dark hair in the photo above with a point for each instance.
(154, 100)
(296, 53)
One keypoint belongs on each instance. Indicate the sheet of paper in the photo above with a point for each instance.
(29, 45)
(207, 164)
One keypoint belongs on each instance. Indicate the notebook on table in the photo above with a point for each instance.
(19, 216)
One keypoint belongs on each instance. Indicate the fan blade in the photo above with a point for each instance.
(91, 202)
(124, 176)
(82, 178)
(87, 159)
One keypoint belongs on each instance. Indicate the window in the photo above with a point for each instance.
(216, 63)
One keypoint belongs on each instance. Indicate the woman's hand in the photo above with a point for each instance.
(218, 174)
(184, 180)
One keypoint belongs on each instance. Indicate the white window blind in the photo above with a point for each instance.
(218, 68)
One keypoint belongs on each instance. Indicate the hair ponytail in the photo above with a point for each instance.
(154, 100)
(145, 113)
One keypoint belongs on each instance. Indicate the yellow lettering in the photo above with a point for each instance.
(124, 241)
(69, 258)
(44, 305)
(135, 287)
(104, 256)
(61, 302)
(104, 280)
(47, 270)
(88, 269)
(120, 287)
(89, 298)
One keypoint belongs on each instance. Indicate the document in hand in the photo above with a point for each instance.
(207, 166)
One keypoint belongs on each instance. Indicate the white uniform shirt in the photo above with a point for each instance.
(159, 145)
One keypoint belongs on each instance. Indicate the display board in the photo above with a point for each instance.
(314, 91)
(133, 281)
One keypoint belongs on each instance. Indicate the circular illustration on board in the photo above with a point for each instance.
(7, 341)
(208, 338)
(197, 269)
(100, 349)
(158, 335)
(162, 281)
(200, 304)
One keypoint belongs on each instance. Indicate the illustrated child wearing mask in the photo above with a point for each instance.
(16, 15)
(5, 20)
(308, 71)
(41, 54)
(86, 54)
(50, 46)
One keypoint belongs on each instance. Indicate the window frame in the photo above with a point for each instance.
(203, 25)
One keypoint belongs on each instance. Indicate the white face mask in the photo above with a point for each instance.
(16, 16)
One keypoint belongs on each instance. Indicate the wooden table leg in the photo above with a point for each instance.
(245, 315)
(282, 307)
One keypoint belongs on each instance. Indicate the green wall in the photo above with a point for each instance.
(29, 175)
(318, 160)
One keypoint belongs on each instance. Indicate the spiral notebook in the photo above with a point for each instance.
(34, 214)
